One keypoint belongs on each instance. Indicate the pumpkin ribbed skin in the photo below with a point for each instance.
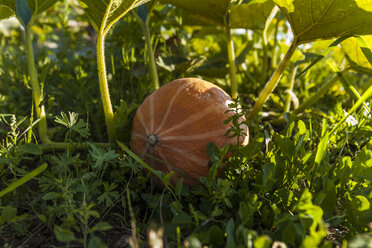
(176, 122)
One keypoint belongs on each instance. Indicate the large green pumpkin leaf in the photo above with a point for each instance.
(7, 8)
(36, 6)
(251, 15)
(24, 8)
(11, 4)
(355, 55)
(39, 6)
(5, 12)
(23, 11)
(191, 18)
(325, 19)
(202, 12)
(104, 13)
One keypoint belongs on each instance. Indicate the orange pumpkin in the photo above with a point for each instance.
(176, 122)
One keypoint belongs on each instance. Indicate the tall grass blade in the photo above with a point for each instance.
(24, 179)
(367, 94)
(139, 160)
(351, 89)
(365, 48)
(322, 147)
(325, 52)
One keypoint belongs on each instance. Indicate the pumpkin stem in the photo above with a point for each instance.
(36, 91)
(153, 139)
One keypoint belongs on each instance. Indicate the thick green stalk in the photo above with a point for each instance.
(231, 56)
(154, 72)
(150, 52)
(103, 86)
(36, 93)
(270, 86)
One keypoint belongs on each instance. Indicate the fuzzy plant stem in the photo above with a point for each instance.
(103, 86)
(231, 56)
(36, 92)
(270, 86)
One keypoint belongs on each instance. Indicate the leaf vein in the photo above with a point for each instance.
(317, 22)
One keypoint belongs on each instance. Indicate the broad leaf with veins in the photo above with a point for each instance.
(39, 6)
(5, 12)
(207, 11)
(104, 13)
(9, 8)
(355, 56)
(251, 15)
(325, 19)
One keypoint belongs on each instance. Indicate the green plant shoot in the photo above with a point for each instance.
(103, 15)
